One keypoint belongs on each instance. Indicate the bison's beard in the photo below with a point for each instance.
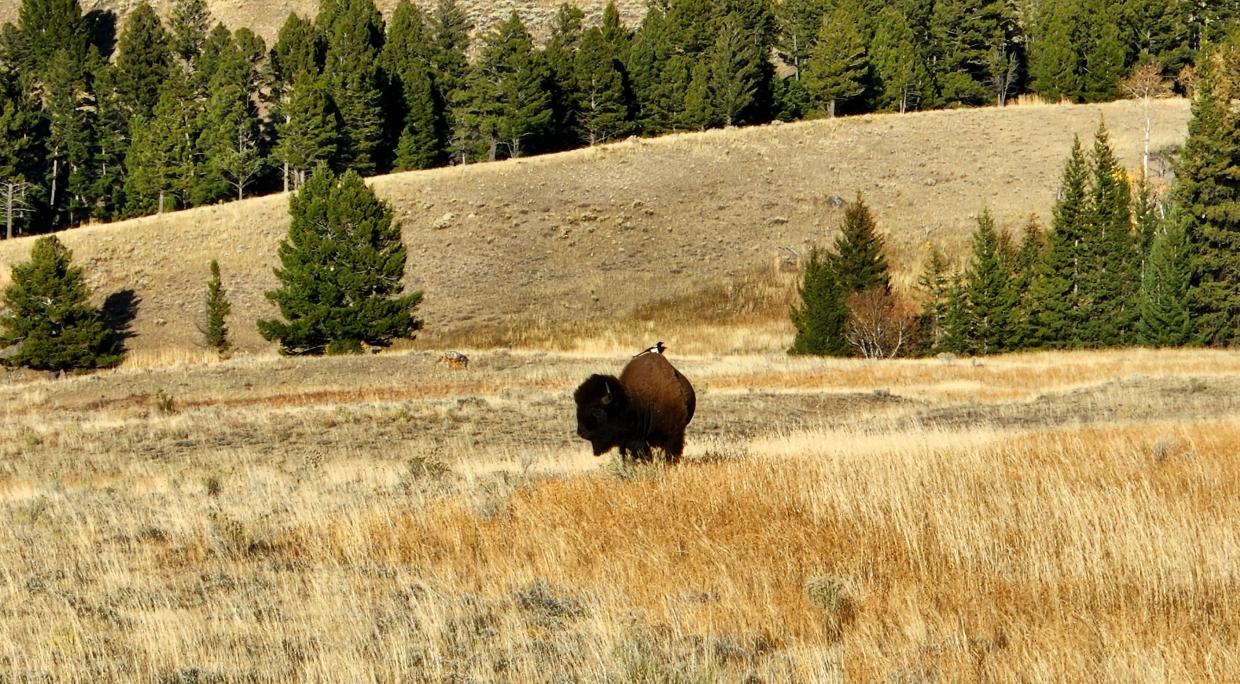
(600, 447)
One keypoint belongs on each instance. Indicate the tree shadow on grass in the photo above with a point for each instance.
(118, 313)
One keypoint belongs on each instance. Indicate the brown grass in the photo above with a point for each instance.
(608, 247)
(1073, 517)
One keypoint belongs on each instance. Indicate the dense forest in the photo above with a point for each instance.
(99, 122)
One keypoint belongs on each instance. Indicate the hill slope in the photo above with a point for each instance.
(590, 235)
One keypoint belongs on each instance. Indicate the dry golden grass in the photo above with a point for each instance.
(580, 250)
(1048, 517)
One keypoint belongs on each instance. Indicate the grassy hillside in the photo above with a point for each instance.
(1047, 517)
(265, 18)
(675, 231)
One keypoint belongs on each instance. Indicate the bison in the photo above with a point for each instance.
(648, 406)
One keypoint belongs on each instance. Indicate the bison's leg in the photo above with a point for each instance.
(674, 447)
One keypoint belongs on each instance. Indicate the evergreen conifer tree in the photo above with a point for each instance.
(508, 99)
(341, 272)
(992, 298)
(1145, 217)
(699, 111)
(1054, 58)
(964, 36)
(419, 145)
(47, 312)
(143, 61)
(897, 63)
(935, 285)
(957, 322)
(837, 64)
(188, 27)
(160, 160)
(1165, 317)
(1111, 275)
(1104, 59)
(217, 309)
(48, 26)
(1057, 320)
(354, 32)
(735, 70)
(859, 260)
(559, 60)
(614, 31)
(308, 130)
(298, 49)
(111, 146)
(822, 314)
(1207, 191)
(450, 29)
(602, 100)
(1025, 270)
(229, 143)
(70, 109)
(21, 149)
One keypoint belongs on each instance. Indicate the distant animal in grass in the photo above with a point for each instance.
(647, 407)
(455, 360)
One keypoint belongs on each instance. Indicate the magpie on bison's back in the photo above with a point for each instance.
(648, 406)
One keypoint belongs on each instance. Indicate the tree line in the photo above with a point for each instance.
(185, 112)
(1118, 266)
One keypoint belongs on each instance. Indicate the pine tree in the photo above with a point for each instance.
(1054, 59)
(308, 130)
(111, 146)
(935, 285)
(859, 259)
(735, 62)
(47, 312)
(1145, 210)
(1058, 320)
(341, 271)
(21, 149)
(1104, 59)
(450, 69)
(559, 59)
(1207, 191)
(614, 32)
(298, 49)
(48, 26)
(837, 63)
(1165, 318)
(1111, 272)
(188, 25)
(699, 111)
(420, 146)
(160, 161)
(354, 32)
(822, 314)
(799, 22)
(602, 100)
(143, 61)
(217, 309)
(508, 99)
(70, 109)
(957, 323)
(992, 299)
(1025, 270)
(897, 64)
(229, 143)
(407, 56)
(659, 74)
(964, 36)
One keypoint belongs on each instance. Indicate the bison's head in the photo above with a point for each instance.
(602, 408)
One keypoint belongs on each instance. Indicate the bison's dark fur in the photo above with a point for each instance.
(648, 406)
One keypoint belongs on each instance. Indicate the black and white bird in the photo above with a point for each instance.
(656, 349)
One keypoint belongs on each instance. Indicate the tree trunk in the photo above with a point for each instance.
(55, 176)
(8, 213)
(1145, 155)
(161, 202)
(493, 152)
(285, 176)
(831, 109)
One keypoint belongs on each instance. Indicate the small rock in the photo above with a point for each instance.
(444, 222)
